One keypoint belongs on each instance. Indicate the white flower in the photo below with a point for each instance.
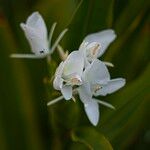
(36, 33)
(96, 81)
(95, 44)
(83, 69)
(69, 73)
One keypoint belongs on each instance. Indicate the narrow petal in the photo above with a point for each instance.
(96, 72)
(92, 111)
(104, 38)
(51, 34)
(55, 100)
(31, 56)
(74, 64)
(112, 86)
(105, 103)
(59, 38)
(67, 92)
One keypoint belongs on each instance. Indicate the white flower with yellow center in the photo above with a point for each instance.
(36, 33)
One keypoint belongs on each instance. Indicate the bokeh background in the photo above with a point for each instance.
(26, 123)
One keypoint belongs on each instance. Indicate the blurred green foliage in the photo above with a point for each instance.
(25, 121)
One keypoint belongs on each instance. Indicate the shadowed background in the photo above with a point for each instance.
(26, 123)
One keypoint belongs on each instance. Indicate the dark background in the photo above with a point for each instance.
(26, 123)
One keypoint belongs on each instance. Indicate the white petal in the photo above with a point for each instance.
(74, 64)
(38, 43)
(36, 21)
(90, 106)
(85, 93)
(104, 38)
(83, 50)
(59, 70)
(59, 38)
(96, 72)
(36, 34)
(58, 83)
(67, 92)
(90, 51)
(83, 47)
(111, 86)
(92, 111)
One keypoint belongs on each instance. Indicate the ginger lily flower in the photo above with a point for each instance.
(96, 82)
(95, 44)
(68, 74)
(36, 33)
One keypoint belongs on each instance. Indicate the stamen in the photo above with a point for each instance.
(75, 81)
(95, 49)
(97, 88)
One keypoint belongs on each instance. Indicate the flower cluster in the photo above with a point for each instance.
(81, 72)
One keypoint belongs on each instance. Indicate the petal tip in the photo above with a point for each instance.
(23, 26)
(95, 123)
(123, 81)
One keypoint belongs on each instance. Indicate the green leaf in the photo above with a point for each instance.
(128, 15)
(90, 138)
(24, 120)
(18, 112)
(131, 107)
